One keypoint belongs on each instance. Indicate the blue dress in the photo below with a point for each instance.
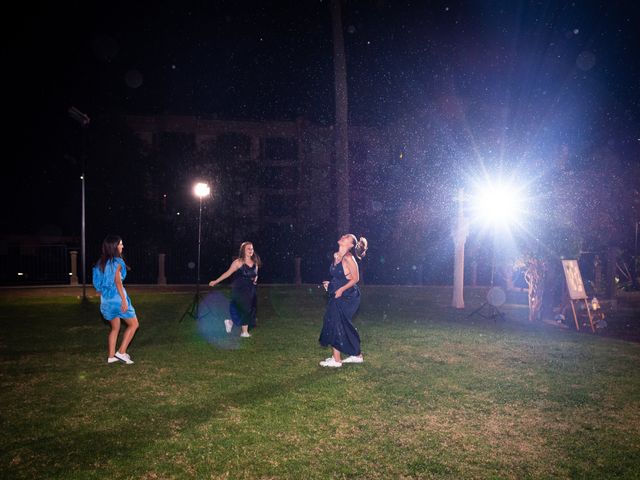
(337, 329)
(105, 284)
(243, 304)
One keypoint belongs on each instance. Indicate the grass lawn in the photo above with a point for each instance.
(440, 395)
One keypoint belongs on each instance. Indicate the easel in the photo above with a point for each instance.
(576, 292)
(576, 314)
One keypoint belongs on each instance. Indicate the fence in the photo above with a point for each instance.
(35, 264)
(52, 264)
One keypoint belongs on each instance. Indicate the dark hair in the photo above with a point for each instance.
(360, 246)
(255, 257)
(109, 251)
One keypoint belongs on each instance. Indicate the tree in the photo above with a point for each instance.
(341, 125)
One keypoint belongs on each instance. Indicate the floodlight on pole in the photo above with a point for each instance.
(200, 190)
(496, 205)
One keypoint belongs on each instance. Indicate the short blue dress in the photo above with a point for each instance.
(105, 285)
(337, 329)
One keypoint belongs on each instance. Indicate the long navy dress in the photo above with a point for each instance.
(337, 329)
(243, 296)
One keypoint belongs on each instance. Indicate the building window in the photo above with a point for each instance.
(234, 146)
(177, 142)
(280, 149)
(278, 177)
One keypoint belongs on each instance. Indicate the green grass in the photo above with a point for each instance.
(440, 395)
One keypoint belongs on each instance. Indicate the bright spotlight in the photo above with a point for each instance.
(498, 205)
(201, 190)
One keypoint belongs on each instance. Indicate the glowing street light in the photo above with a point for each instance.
(84, 120)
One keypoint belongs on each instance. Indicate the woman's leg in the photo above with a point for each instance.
(113, 335)
(245, 328)
(132, 326)
(336, 355)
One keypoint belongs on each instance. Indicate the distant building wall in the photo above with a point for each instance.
(295, 160)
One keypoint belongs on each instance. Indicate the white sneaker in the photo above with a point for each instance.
(330, 362)
(112, 360)
(228, 325)
(124, 357)
(245, 334)
(353, 359)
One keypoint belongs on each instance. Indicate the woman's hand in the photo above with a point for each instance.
(339, 292)
(212, 283)
(124, 306)
(325, 284)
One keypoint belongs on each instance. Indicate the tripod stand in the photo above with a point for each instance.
(495, 298)
(192, 310)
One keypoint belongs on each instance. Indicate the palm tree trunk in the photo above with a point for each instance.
(341, 126)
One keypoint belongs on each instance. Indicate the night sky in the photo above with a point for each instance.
(568, 70)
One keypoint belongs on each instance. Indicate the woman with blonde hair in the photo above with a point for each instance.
(344, 301)
(243, 304)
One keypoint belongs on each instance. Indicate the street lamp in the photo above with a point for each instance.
(84, 121)
(200, 190)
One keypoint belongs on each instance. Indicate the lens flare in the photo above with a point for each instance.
(212, 312)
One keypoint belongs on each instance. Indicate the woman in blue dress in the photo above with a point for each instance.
(108, 274)
(344, 300)
(243, 306)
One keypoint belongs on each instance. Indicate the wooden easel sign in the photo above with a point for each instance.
(577, 293)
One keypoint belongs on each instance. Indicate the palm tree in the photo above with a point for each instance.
(341, 126)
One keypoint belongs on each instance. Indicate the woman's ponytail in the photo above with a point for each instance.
(361, 247)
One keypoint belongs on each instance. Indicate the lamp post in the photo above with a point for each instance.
(200, 190)
(84, 121)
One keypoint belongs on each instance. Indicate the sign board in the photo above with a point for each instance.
(574, 280)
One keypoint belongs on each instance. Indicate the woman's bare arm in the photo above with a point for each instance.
(123, 304)
(235, 265)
